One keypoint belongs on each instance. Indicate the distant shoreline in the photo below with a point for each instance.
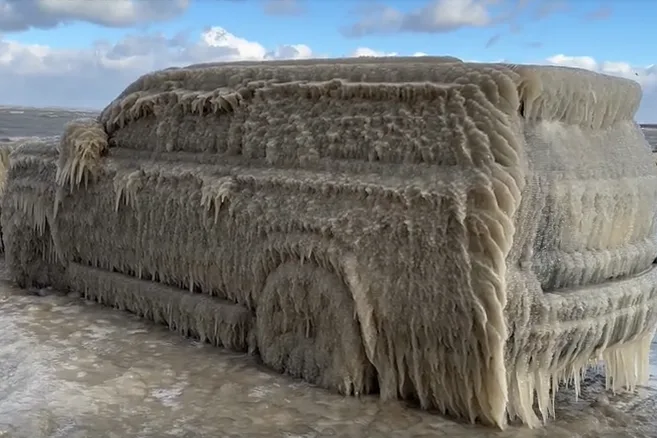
(648, 125)
(49, 108)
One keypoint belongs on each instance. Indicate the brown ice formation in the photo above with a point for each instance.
(468, 236)
(4, 169)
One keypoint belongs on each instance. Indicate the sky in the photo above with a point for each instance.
(82, 53)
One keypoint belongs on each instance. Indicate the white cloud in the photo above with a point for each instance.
(437, 16)
(367, 52)
(18, 15)
(293, 51)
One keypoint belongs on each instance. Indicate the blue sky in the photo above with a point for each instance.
(612, 36)
(623, 35)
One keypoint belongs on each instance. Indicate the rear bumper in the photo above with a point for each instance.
(575, 328)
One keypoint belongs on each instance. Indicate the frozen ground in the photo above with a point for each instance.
(73, 369)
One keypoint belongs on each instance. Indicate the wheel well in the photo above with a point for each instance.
(326, 254)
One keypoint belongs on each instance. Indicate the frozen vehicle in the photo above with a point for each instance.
(464, 235)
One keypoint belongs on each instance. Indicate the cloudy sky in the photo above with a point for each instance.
(81, 53)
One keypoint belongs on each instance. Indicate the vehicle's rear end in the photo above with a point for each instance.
(585, 241)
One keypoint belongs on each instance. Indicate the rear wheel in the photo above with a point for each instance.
(306, 327)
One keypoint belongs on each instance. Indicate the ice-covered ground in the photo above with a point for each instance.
(72, 369)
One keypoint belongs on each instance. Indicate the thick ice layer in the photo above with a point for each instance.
(4, 168)
(426, 215)
(576, 97)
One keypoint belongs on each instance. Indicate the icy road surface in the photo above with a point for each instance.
(73, 369)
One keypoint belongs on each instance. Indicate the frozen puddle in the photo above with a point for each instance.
(73, 369)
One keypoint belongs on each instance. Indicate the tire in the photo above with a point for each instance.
(306, 327)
